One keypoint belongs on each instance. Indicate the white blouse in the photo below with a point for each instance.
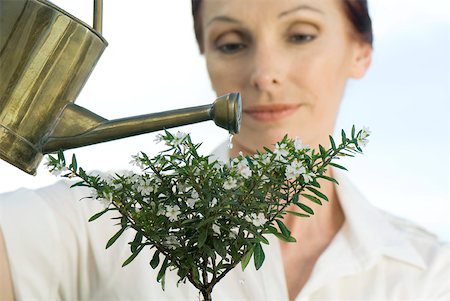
(56, 254)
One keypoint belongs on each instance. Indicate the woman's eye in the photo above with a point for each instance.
(230, 48)
(301, 38)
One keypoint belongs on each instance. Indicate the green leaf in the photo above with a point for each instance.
(61, 157)
(337, 166)
(280, 236)
(155, 260)
(283, 238)
(312, 198)
(97, 215)
(344, 137)
(286, 232)
(136, 242)
(196, 275)
(162, 272)
(305, 208)
(318, 193)
(208, 220)
(261, 238)
(297, 213)
(219, 247)
(295, 198)
(133, 255)
(246, 258)
(333, 145)
(258, 256)
(74, 163)
(80, 183)
(323, 152)
(115, 237)
(329, 179)
(353, 132)
(202, 237)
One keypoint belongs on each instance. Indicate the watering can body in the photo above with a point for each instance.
(46, 56)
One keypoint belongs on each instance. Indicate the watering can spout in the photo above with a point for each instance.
(78, 126)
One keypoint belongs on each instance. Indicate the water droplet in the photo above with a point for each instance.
(230, 141)
(242, 282)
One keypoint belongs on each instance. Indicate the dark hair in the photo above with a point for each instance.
(357, 12)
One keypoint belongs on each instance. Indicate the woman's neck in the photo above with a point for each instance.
(313, 235)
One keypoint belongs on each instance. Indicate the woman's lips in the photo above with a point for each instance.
(274, 112)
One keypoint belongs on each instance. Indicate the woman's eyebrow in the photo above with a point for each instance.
(301, 7)
(223, 19)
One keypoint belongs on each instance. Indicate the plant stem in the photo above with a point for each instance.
(206, 295)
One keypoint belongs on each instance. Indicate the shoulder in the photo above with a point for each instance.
(423, 241)
(433, 278)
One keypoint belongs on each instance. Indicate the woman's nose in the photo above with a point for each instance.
(267, 70)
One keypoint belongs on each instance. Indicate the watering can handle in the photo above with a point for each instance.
(98, 16)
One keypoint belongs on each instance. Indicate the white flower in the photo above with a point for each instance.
(281, 152)
(244, 169)
(235, 161)
(213, 202)
(266, 158)
(191, 203)
(137, 207)
(118, 186)
(294, 170)
(366, 132)
(171, 242)
(258, 220)
(172, 212)
(217, 165)
(181, 187)
(193, 199)
(158, 138)
(265, 178)
(362, 137)
(178, 138)
(298, 144)
(161, 211)
(104, 198)
(144, 186)
(136, 161)
(230, 183)
(57, 169)
(308, 177)
(129, 176)
(216, 229)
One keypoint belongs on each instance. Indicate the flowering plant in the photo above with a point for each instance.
(203, 217)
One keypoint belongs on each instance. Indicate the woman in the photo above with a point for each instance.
(291, 61)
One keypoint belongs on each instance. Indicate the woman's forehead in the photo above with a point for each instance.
(265, 8)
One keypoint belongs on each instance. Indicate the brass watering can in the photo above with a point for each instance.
(46, 56)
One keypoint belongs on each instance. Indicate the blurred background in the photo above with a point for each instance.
(152, 64)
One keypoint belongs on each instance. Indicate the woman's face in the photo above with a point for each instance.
(290, 59)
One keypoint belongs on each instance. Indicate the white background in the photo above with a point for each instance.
(152, 64)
